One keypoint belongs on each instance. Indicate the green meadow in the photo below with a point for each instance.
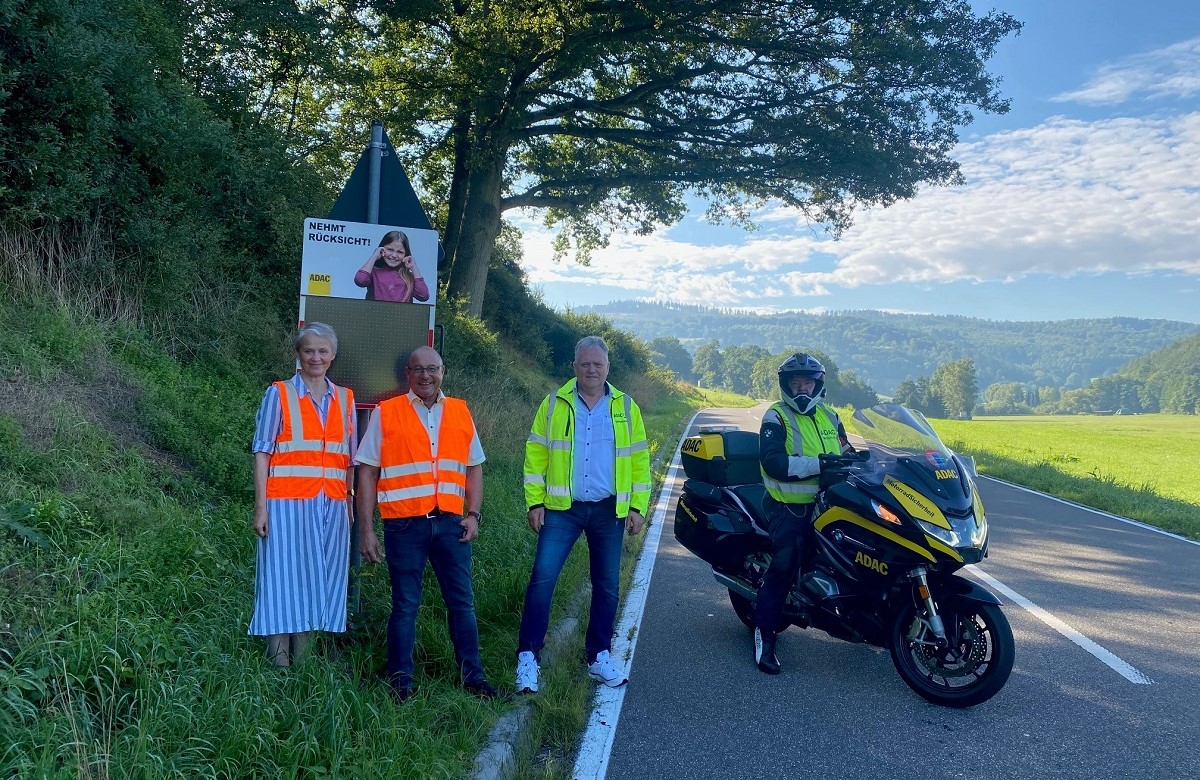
(1145, 467)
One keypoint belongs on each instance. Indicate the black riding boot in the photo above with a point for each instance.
(764, 652)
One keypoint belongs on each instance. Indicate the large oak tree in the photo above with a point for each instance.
(611, 112)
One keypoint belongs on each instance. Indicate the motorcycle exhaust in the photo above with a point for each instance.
(736, 585)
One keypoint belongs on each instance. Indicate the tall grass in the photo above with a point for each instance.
(73, 267)
(1146, 467)
(126, 574)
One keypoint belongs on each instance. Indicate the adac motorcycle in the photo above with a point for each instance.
(893, 522)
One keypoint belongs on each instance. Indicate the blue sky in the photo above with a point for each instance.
(1082, 201)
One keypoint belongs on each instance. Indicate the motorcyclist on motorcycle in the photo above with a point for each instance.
(794, 432)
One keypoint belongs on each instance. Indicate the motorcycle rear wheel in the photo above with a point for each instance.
(744, 608)
(975, 665)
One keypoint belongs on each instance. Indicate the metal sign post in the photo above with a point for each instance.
(343, 283)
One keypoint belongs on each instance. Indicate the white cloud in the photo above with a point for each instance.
(1065, 197)
(1170, 72)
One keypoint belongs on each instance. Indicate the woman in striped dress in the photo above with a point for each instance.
(304, 441)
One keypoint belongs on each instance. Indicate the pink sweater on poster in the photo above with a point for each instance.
(386, 284)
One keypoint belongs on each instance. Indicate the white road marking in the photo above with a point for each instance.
(1118, 665)
(596, 745)
(1102, 513)
(592, 763)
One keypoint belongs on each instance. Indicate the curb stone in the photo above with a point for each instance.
(497, 760)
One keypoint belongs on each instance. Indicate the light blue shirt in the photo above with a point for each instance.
(594, 450)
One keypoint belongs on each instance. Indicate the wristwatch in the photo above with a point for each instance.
(478, 517)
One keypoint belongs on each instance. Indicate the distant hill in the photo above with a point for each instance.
(1168, 379)
(885, 349)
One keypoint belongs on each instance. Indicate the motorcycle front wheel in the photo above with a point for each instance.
(973, 666)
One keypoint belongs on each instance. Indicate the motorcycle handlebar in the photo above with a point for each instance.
(847, 460)
(835, 468)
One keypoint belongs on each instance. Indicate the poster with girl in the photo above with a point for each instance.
(369, 262)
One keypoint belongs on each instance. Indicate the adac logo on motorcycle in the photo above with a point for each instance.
(874, 564)
(914, 503)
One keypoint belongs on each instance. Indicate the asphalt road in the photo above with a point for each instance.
(697, 707)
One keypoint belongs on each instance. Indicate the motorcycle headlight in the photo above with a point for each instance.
(947, 535)
(979, 532)
(963, 531)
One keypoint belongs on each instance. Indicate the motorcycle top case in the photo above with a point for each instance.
(722, 458)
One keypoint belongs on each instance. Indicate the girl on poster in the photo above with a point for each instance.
(390, 274)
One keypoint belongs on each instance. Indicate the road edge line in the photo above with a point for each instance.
(597, 741)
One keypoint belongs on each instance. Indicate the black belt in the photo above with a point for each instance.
(432, 515)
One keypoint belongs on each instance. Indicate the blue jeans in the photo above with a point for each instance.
(408, 544)
(605, 533)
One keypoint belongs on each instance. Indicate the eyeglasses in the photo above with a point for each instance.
(425, 369)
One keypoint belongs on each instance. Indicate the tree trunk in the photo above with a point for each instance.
(458, 187)
(480, 227)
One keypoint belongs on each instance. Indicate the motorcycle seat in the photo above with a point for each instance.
(750, 499)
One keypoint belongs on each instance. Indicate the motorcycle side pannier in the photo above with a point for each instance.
(722, 458)
(715, 533)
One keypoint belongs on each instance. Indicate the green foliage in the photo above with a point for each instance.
(1166, 380)
(920, 395)
(613, 114)
(706, 363)
(469, 346)
(101, 135)
(124, 527)
(954, 385)
(669, 353)
(885, 348)
(628, 356)
(855, 392)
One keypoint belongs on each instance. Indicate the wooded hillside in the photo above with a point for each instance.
(885, 349)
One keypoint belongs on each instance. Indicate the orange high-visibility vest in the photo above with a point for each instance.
(410, 483)
(310, 457)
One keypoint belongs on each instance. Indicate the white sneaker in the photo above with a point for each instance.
(527, 673)
(606, 671)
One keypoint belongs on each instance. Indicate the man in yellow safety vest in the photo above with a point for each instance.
(794, 432)
(587, 471)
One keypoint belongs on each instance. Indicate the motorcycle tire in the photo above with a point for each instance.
(744, 608)
(974, 667)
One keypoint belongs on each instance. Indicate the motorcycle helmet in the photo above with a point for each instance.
(802, 364)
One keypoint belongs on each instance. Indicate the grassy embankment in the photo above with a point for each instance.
(127, 577)
(1145, 467)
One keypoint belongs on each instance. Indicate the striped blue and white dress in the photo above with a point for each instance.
(304, 562)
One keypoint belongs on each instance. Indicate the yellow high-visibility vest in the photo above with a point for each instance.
(550, 447)
(818, 435)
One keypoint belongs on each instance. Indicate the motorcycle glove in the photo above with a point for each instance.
(803, 466)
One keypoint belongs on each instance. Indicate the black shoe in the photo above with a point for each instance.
(482, 690)
(764, 652)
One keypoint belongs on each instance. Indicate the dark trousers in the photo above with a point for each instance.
(408, 545)
(789, 526)
(605, 534)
